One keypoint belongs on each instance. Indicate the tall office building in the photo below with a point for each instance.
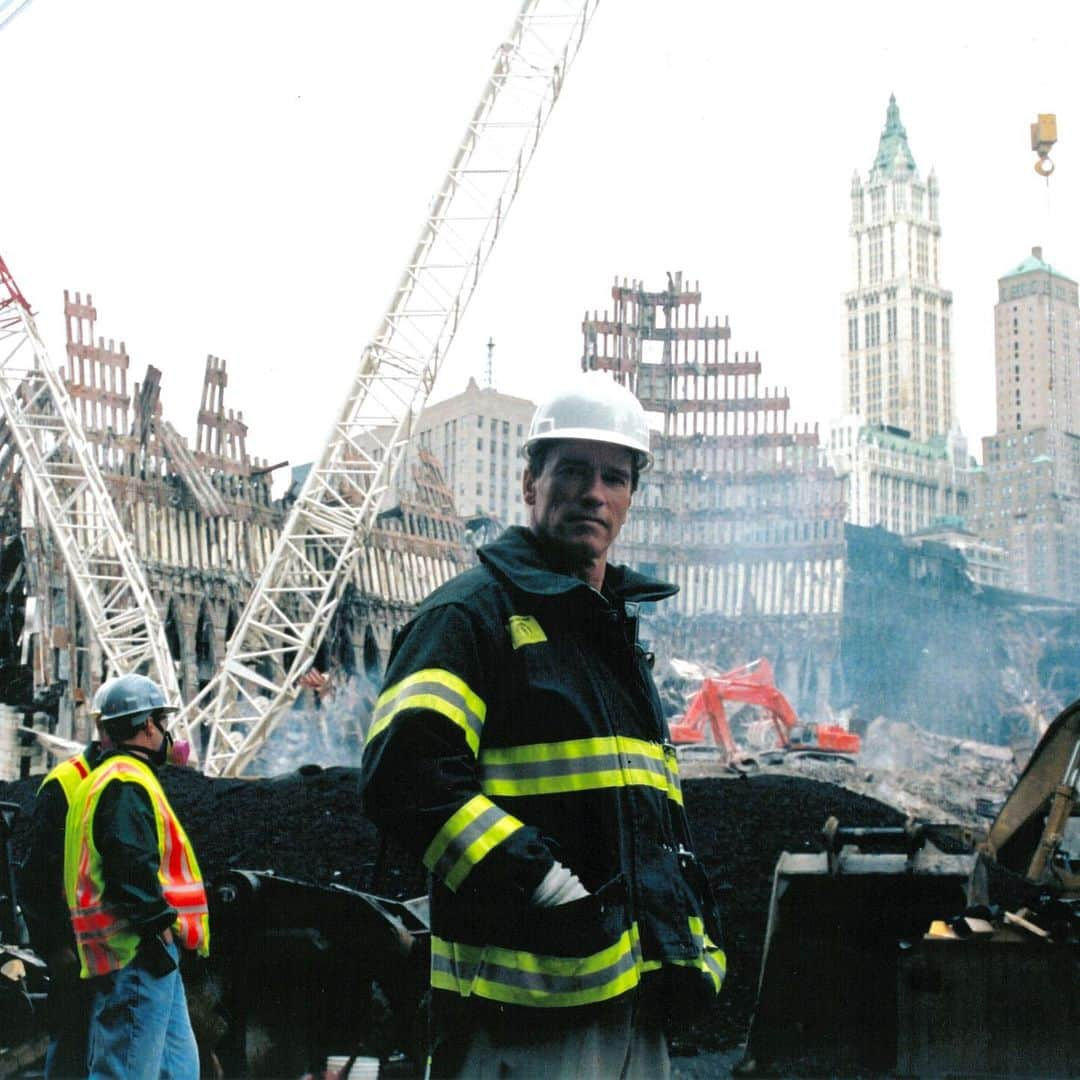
(1027, 494)
(896, 447)
(1036, 348)
(898, 369)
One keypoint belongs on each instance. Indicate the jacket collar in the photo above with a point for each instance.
(517, 557)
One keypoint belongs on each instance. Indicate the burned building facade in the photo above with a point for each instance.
(203, 523)
(740, 509)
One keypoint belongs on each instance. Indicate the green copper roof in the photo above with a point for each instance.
(1032, 264)
(893, 142)
(891, 439)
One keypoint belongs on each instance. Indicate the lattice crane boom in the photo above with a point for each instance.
(290, 609)
(59, 463)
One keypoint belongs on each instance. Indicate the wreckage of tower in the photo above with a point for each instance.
(204, 523)
(739, 509)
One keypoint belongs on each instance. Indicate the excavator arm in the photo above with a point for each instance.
(1026, 835)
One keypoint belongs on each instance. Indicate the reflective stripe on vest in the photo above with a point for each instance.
(515, 977)
(104, 940)
(69, 775)
(438, 690)
(468, 835)
(580, 765)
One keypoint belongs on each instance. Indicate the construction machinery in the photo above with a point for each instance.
(781, 734)
(928, 950)
(291, 607)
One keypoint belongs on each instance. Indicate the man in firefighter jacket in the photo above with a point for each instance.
(135, 895)
(519, 748)
(41, 898)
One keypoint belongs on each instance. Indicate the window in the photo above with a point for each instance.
(853, 334)
(876, 260)
(479, 421)
(922, 262)
(890, 324)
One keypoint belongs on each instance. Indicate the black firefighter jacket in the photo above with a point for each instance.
(518, 725)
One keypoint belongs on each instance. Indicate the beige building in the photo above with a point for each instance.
(1026, 497)
(1036, 348)
(477, 437)
(898, 368)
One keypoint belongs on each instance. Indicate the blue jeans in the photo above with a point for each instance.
(139, 1027)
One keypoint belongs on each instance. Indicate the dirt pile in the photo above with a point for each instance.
(308, 825)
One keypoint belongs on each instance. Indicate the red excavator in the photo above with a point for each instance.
(754, 684)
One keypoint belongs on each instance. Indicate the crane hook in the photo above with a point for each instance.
(1043, 137)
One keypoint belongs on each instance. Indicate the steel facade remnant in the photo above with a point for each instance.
(740, 509)
(281, 628)
(71, 493)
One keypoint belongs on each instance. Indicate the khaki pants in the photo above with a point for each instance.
(614, 1040)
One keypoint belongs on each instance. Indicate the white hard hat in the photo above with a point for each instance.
(596, 408)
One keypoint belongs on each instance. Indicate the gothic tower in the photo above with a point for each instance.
(898, 364)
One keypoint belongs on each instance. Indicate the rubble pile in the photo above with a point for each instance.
(927, 776)
(307, 824)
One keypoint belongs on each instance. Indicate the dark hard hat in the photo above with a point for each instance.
(124, 704)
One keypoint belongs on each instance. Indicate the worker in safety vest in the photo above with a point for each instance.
(519, 748)
(135, 895)
(45, 910)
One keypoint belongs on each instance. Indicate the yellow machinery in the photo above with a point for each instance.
(916, 951)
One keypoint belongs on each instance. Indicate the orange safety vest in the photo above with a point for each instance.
(104, 939)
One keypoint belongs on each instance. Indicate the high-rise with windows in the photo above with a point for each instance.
(477, 436)
(1036, 348)
(897, 448)
(1026, 498)
(898, 363)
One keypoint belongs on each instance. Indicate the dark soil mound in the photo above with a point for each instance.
(308, 825)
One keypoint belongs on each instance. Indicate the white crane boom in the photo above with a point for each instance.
(291, 607)
(59, 463)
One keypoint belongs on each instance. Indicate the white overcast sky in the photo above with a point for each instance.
(246, 178)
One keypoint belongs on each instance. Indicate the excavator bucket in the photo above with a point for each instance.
(840, 922)
(902, 951)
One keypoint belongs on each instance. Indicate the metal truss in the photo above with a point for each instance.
(71, 493)
(293, 603)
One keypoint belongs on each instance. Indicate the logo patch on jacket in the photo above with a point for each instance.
(525, 630)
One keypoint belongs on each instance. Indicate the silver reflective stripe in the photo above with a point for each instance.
(458, 846)
(548, 982)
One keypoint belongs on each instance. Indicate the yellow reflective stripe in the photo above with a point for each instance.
(466, 838)
(67, 775)
(437, 690)
(578, 765)
(515, 977)
(671, 763)
(712, 959)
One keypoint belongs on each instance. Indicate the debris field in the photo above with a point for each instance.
(307, 824)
